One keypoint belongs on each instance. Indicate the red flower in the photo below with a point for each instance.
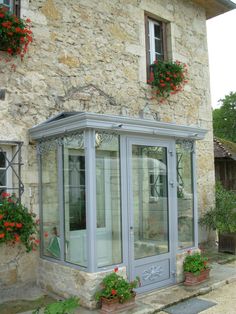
(5, 194)
(37, 241)
(6, 224)
(151, 78)
(9, 50)
(1, 15)
(46, 234)
(116, 269)
(2, 235)
(17, 237)
(113, 292)
(1, 216)
(11, 224)
(19, 225)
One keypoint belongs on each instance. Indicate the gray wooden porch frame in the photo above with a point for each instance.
(127, 127)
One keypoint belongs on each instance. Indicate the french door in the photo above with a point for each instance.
(151, 222)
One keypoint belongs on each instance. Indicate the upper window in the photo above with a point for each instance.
(12, 5)
(10, 168)
(155, 38)
(5, 174)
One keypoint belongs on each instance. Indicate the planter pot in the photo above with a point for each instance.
(227, 243)
(114, 306)
(191, 279)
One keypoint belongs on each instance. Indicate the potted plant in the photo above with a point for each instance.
(17, 225)
(116, 292)
(167, 77)
(222, 218)
(196, 268)
(15, 33)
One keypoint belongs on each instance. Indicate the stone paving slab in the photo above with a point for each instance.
(21, 292)
(157, 301)
(190, 306)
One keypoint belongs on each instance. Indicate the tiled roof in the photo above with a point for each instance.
(224, 149)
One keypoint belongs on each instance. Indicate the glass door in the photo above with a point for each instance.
(150, 225)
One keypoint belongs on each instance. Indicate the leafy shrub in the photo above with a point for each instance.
(223, 216)
(195, 263)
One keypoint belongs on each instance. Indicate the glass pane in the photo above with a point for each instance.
(150, 201)
(157, 31)
(3, 181)
(75, 206)
(185, 197)
(158, 46)
(50, 204)
(109, 234)
(2, 159)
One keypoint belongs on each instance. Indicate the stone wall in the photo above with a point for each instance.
(67, 281)
(16, 266)
(90, 56)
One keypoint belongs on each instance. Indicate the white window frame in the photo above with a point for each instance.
(8, 150)
(151, 37)
(10, 5)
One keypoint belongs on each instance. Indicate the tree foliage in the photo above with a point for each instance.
(224, 118)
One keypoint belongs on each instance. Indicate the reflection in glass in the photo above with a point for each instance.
(50, 204)
(3, 177)
(150, 200)
(158, 47)
(108, 234)
(75, 207)
(2, 159)
(185, 197)
(157, 30)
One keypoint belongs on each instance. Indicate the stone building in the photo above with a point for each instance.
(112, 171)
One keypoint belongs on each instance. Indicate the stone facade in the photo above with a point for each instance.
(16, 266)
(91, 56)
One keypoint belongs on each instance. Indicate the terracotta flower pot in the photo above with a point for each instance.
(113, 305)
(191, 279)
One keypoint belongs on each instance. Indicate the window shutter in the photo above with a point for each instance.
(16, 7)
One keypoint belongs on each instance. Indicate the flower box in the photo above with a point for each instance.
(116, 293)
(113, 305)
(193, 279)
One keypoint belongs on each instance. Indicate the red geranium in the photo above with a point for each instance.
(167, 77)
(15, 32)
(16, 223)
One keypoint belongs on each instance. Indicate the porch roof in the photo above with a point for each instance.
(216, 7)
(224, 149)
(71, 121)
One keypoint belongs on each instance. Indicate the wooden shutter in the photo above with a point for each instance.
(16, 7)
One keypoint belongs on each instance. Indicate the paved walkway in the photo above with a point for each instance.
(157, 301)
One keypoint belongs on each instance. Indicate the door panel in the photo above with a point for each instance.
(150, 248)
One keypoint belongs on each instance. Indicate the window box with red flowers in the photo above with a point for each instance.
(15, 33)
(17, 225)
(196, 268)
(116, 293)
(167, 77)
